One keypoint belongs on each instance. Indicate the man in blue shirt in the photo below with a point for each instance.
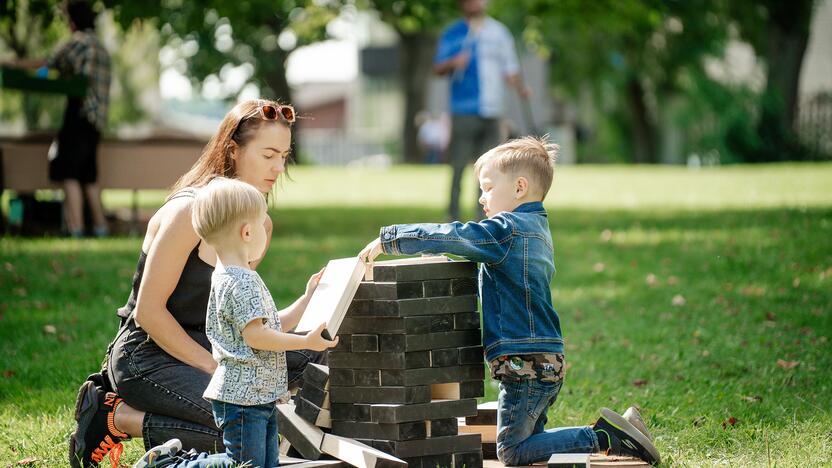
(477, 54)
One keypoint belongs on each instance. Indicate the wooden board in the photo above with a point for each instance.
(358, 454)
(487, 433)
(332, 297)
(596, 460)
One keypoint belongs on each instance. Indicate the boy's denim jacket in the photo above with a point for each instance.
(517, 265)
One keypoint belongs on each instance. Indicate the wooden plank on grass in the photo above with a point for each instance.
(358, 454)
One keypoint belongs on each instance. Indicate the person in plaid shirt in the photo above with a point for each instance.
(74, 152)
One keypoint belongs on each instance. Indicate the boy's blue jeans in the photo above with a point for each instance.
(249, 434)
(521, 418)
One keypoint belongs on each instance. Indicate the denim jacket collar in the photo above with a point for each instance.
(530, 207)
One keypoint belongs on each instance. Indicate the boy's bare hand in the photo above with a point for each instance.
(316, 342)
(371, 251)
(312, 284)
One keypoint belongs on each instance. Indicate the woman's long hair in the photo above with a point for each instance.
(239, 125)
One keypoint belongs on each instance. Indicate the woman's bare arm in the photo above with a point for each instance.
(166, 259)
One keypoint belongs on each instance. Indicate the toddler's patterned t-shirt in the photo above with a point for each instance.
(244, 376)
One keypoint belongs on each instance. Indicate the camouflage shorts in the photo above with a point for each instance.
(545, 367)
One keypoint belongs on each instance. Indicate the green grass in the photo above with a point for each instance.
(746, 250)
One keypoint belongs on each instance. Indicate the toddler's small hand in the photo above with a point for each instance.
(371, 251)
(316, 342)
(312, 284)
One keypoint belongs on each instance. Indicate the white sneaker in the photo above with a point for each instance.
(168, 449)
(634, 417)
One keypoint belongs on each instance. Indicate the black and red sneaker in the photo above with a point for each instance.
(96, 435)
(624, 439)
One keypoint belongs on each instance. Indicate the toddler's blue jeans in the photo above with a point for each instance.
(521, 418)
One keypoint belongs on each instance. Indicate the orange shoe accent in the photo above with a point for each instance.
(111, 415)
(108, 446)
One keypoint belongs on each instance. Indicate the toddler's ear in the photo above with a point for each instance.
(521, 187)
(245, 232)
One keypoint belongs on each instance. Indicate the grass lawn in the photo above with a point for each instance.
(703, 296)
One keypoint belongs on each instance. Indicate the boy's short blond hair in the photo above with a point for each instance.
(225, 203)
(531, 157)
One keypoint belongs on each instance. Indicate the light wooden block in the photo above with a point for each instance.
(569, 460)
(358, 454)
(332, 297)
(487, 433)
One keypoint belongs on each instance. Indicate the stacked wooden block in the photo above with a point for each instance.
(312, 401)
(484, 424)
(409, 363)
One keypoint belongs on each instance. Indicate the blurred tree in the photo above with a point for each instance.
(417, 25)
(779, 33)
(211, 35)
(631, 55)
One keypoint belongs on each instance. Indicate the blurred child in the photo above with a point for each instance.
(521, 331)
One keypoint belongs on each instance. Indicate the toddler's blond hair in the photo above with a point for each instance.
(529, 156)
(225, 203)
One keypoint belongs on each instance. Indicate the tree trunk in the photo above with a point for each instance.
(416, 61)
(787, 38)
(642, 127)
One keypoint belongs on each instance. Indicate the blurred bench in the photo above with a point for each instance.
(153, 163)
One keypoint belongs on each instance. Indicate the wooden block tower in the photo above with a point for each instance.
(410, 362)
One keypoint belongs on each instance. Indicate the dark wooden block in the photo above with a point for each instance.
(458, 390)
(359, 308)
(344, 343)
(413, 307)
(304, 436)
(441, 323)
(364, 343)
(313, 413)
(396, 395)
(358, 454)
(413, 325)
(442, 427)
(486, 415)
(368, 377)
(489, 450)
(317, 375)
(468, 459)
(409, 343)
(429, 446)
(314, 395)
(369, 290)
(444, 460)
(362, 430)
(437, 288)
(351, 412)
(342, 377)
(444, 357)
(467, 321)
(471, 355)
(379, 360)
(432, 375)
(464, 286)
(440, 409)
(424, 271)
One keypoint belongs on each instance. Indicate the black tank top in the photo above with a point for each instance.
(189, 300)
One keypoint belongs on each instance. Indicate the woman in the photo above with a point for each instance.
(160, 361)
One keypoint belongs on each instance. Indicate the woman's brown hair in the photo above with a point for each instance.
(238, 126)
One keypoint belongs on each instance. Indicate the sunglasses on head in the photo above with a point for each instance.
(273, 112)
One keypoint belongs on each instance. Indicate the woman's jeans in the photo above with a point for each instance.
(170, 391)
(521, 418)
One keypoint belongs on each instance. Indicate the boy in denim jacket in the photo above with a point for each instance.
(521, 330)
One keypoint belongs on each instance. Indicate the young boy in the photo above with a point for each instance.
(521, 330)
(245, 330)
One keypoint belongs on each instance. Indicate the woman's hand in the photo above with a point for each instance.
(316, 342)
(371, 251)
(312, 284)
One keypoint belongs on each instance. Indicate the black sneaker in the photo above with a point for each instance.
(624, 439)
(95, 435)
